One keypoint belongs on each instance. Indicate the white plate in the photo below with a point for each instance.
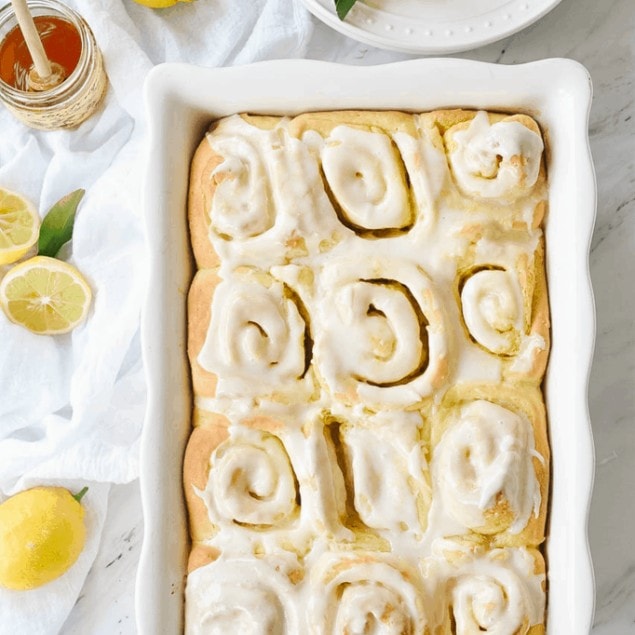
(182, 100)
(432, 26)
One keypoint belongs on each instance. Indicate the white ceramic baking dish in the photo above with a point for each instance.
(182, 100)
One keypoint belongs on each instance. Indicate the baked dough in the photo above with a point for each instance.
(368, 330)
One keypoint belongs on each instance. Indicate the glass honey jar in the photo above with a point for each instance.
(69, 43)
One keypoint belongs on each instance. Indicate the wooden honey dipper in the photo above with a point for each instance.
(44, 74)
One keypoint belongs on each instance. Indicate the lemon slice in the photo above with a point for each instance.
(46, 295)
(19, 226)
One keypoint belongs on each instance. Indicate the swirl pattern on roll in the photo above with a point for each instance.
(500, 160)
(252, 596)
(482, 604)
(381, 339)
(256, 339)
(251, 481)
(484, 469)
(390, 342)
(499, 593)
(242, 204)
(492, 306)
(367, 179)
(364, 594)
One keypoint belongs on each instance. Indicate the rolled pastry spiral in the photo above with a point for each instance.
(497, 593)
(367, 178)
(364, 595)
(483, 604)
(484, 469)
(251, 481)
(242, 205)
(256, 338)
(381, 340)
(501, 160)
(388, 341)
(492, 305)
(249, 596)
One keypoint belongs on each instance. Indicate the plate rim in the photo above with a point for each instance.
(390, 41)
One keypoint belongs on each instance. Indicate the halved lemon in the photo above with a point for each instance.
(19, 226)
(45, 295)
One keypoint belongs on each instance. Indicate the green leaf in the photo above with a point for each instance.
(57, 226)
(343, 7)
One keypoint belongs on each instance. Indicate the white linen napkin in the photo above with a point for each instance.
(71, 406)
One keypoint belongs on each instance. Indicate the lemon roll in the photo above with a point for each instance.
(500, 592)
(492, 304)
(243, 595)
(251, 481)
(257, 341)
(365, 593)
(382, 337)
(367, 178)
(242, 203)
(483, 467)
(389, 472)
(495, 161)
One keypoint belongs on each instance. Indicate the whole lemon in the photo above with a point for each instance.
(42, 533)
(159, 4)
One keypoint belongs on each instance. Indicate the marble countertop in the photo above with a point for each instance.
(600, 35)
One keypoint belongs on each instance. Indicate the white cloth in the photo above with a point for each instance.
(71, 406)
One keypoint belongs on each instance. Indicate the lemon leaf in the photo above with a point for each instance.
(57, 226)
(343, 7)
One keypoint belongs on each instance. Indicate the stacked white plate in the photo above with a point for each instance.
(432, 26)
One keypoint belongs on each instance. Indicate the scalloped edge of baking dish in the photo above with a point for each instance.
(182, 100)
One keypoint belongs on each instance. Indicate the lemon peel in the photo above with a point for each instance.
(42, 533)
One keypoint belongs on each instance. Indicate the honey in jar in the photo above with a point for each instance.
(69, 44)
(62, 44)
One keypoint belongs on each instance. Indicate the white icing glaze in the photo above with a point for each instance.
(383, 328)
(364, 594)
(298, 214)
(426, 183)
(492, 305)
(251, 480)
(371, 344)
(255, 342)
(250, 596)
(501, 160)
(242, 206)
(487, 452)
(369, 331)
(275, 493)
(389, 473)
(497, 592)
(322, 483)
(366, 176)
